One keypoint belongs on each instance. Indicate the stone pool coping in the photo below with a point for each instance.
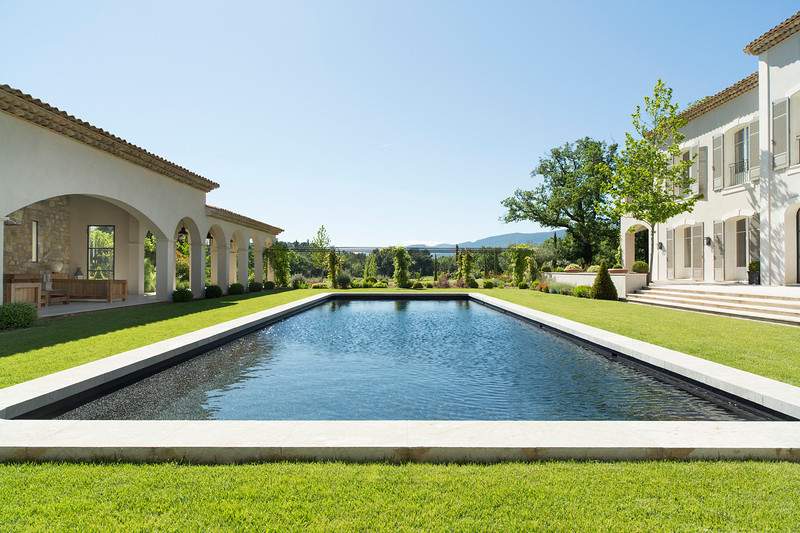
(233, 441)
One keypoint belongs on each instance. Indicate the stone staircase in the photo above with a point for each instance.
(733, 301)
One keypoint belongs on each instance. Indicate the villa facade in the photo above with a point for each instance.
(745, 142)
(78, 204)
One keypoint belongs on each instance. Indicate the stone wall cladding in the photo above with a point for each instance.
(54, 237)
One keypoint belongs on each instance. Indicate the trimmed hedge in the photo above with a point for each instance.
(488, 284)
(582, 291)
(522, 285)
(182, 295)
(573, 267)
(16, 315)
(640, 267)
(603, 288)
(593, 268)
(417, 285)
(298, 282)
(343, 280)
(213, 291)
(236, 288)
(255, 286)
(269, 285)
(429, 285)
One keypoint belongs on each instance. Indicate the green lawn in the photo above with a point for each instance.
(731, 496)
(663, 496)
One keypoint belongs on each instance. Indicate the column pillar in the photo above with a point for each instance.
(270, 272)
(212, 251)
(2, 257)
(242, 269)
(165, 268)
(197, 269)
(136, 235)
(628, 249)
(220, 261)
(258, 261)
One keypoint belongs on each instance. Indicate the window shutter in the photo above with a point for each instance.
(719, 251)
(755, 151)
(780, 133)
(702, 172)
(693, 171)
(717, 161)
(754, 236)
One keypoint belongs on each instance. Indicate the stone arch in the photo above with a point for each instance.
(792, 243)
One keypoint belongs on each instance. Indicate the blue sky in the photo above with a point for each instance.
(387, 122)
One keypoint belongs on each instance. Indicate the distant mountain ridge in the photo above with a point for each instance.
(501, 241)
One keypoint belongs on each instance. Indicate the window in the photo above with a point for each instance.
(34, 241)
(687, 247)
(741, 243)
(741, 149)
(100, 263)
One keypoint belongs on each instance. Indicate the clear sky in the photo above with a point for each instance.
(388, 122)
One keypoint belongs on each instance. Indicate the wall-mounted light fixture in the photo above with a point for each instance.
(182, 234)
(708, 241)
(660, 245)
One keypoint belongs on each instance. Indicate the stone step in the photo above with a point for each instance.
(721, 304)
(730, 298)
(701, 290)
(732, 312)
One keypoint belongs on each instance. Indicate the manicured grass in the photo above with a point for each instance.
(663, 496)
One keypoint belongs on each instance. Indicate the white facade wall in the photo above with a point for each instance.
(770, 198)
(38, 164)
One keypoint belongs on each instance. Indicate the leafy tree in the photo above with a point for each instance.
(277, 256)
(572, 195)
(465, 263)
(402, 260)
(533, 268)
(149, 262)
(384, 260)
(651, 182)
(422, 261)
(518, 255)
(321, 242)
(182, 267)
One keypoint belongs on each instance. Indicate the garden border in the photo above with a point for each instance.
(236, 441)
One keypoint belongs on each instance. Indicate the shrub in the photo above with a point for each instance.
(428, 284)
(640, 267)
(573, 267)
(533, 268)
(443, 282)
(567, 291)
(255, 286)
(464, 261)
(356, 283)
(236, 288)
(582, 291)
(543, 286)
(616, 265)
(277, 256)
(754, 266)
(547, 267)
(372, 280)
(213, 291)
(343, 280)
(182, 295)
(488, 284)
(559, 288)
(269, 285)
(417, 285)
(299, 282)
(593, 268)
(17, 315)
(380, 284)
(472, 283)
(522, 285)
(603, 288)
(368, 284)
(319, 286)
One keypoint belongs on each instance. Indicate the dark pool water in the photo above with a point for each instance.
(418, 360)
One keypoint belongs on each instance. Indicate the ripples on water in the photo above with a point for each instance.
(419, 360)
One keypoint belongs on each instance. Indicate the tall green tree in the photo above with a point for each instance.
(572, 194)
(320, 243)
(651, 182)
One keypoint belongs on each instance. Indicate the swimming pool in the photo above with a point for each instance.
(403, 360)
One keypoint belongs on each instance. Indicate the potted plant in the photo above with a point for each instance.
(754, 273)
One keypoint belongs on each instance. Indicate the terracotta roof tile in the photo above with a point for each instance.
(785, 29)
(24, 106)
(725, 95)
(236, 218)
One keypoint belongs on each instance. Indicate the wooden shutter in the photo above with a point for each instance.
(702, 172)
(754, 157)
(780, 133)
(670, 254)
(693, 170)
(754, 236)
(719, 251)
(717, 162)
(697, 252)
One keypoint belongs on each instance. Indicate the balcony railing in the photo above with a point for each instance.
(738, 173)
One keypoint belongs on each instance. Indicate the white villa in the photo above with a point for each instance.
(63, 180)
(746, 140)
